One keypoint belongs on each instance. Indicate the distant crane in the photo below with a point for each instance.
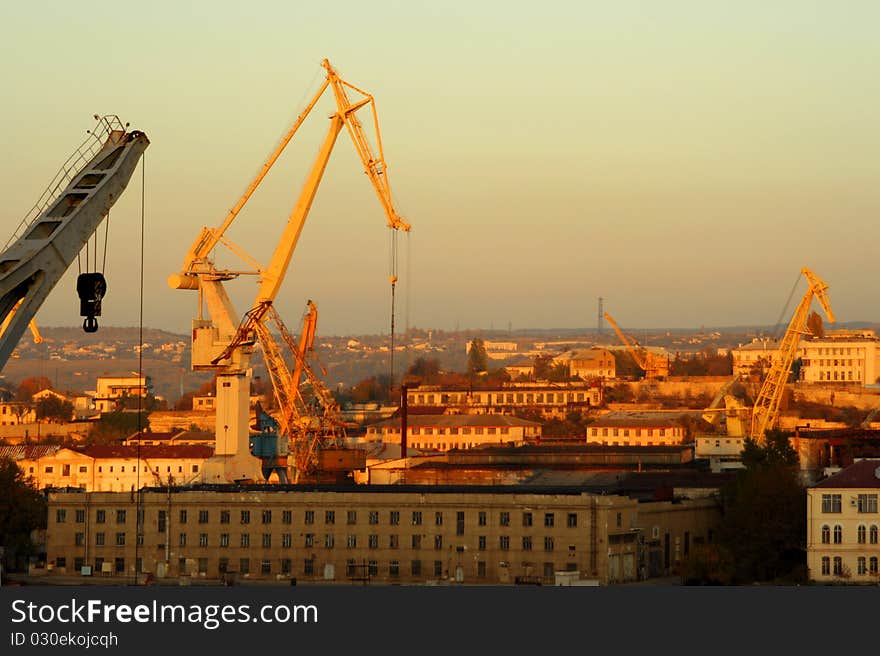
(653, 365)
(765, 412)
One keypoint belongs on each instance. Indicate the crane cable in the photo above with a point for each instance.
(776, 327)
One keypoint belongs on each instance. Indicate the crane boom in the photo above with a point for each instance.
(62, 222)
(766, 409)
(653, 365)
(224, 343)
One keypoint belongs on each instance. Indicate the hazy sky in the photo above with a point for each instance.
(681, 159)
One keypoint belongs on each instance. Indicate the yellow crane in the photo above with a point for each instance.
(222, 342)
(766, 409)
(653, 365)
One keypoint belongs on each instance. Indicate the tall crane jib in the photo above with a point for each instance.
(59, 227)
(224, 342)
(765, 412)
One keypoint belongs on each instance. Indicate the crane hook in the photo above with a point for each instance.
(91, 288)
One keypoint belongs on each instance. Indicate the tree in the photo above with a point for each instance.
(30, 386)
(22, 510)
(113, 427)
(426, 369)
(54, 409)
(763, 514)
(814, 324)
(478, 359)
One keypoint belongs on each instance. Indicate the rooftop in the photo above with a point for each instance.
(861, 474)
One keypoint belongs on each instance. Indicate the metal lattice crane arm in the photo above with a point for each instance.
(637, 355)
(766, 409)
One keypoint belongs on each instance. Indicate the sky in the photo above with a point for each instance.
(682, 160)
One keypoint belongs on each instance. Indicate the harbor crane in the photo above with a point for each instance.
(59, 226)
(222, 342)
(765, 412)
(653, 365)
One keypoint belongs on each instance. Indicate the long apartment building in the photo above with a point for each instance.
(843, 526)
(548, 399)
(381, 534)
(446, 432)
(841, 357)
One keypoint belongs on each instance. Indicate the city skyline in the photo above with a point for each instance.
(682, 165)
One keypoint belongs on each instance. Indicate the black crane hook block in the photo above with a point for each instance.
(91, 288)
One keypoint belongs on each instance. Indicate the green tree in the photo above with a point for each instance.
(113, 427)
(22, 510)
(51, 408)
(478, 359)
(764, 514)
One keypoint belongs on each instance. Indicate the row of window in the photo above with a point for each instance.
(83, 469)
(309, 517)
(329, 541)
(864, 503)
(353, 568)
(506, 398)
(863, 534)
(637, 432)
(864, 566)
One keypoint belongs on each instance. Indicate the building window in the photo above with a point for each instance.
(330, 517)
(285, 565)
(120, 517)
(862, 565)
(867, 503)
(351, 517)
(267, 516)
(310, 517)
(572, 520)
(160, 522)
(504, 518)
(481, 518)
(872, 565)
(831, 503)
(459, 522)
(826, 534)
(309, 540)
(838, 534)
(416, 541)
(181, 540)
(286, 540)
(266, 566)
(80, 516)
(60, 516)
(481, 569)
(826, 566)
(872, 534)
(224, 539)
(329, 540)
(394, 517)
(393, 541)
(862, 533)
(548, 544)
(481, 543)
(286, 516)
(838, 566)
(245, 540)
(438, 568)
(309, 567)
(351, 541)
(549, 519)
(182, 517)
(373, 541)
(394, 568)
(120, 539)
(415, 568)
(438, 518)
(245, 516)
(527, 519)
(267, 540)
(80, 539)
(438, 541)
(224, 516)
(99, 539)
(527, 543)
(504, 542)
(373, 517)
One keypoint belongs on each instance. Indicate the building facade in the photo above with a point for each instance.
(377, 534)
(843, 526)
(549, 399)
(116, 468)
(110, 389)
(636, 429)
(445, 432)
